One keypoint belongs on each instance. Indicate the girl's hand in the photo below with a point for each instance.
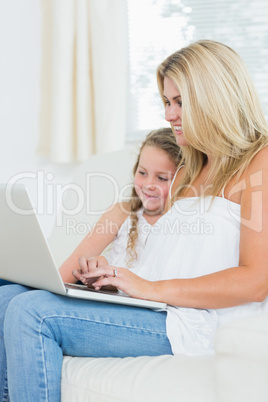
(90, 264)
(121, 278)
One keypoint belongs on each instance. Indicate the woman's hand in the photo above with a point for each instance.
(121, 278)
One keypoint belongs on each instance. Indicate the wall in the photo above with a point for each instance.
(20, 61)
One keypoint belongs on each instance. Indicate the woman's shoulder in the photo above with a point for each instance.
(253, 178)
(257, 169)
(260, 160)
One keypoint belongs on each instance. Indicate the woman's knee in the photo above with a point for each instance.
(25, 303)
(21, 313)
(27, 316)
(34, 304)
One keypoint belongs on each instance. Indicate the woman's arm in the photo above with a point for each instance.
(249, 281)
(96, 240)
(245, 283)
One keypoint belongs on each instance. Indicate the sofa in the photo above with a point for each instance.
(237, 372)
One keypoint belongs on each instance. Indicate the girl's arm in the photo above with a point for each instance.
(245, 283)
(96, 240)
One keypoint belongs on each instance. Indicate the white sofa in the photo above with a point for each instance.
(238, 372)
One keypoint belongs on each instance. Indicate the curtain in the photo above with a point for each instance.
(83, 78)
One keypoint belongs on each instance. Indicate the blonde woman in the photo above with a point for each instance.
(211, 252)
(219, 196)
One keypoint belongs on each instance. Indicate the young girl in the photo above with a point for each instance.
(130, 223)
(127, 225)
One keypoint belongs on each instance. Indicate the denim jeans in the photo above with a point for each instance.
(3, 282)
(40, 327)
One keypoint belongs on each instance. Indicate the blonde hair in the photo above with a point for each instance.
(163, 139)
(221, 113)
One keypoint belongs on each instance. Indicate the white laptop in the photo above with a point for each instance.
(25, 257)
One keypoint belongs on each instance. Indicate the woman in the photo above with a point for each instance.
(210, 251)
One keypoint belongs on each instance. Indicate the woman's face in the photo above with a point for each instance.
(173, 109)
(153, 178)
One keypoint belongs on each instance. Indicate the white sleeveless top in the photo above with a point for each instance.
(117, 255)
(197, 237)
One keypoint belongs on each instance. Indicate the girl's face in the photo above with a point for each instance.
(173, 110)
(153, 178)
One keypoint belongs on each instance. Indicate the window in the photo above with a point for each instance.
(157, 28)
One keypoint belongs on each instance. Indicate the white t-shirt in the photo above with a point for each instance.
(117, 255)
(197, 237)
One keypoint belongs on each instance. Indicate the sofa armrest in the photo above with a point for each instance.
(242, 360)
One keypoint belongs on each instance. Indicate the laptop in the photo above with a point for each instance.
(26, 258)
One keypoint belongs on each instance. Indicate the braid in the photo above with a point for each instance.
(163, 139)
(135, 205)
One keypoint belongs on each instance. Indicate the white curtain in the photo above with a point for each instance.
(83, 78)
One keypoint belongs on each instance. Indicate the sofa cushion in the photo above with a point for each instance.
(161, 378)
(242, 360)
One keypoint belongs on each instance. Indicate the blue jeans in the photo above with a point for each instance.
(38, 327)
(3, 282)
